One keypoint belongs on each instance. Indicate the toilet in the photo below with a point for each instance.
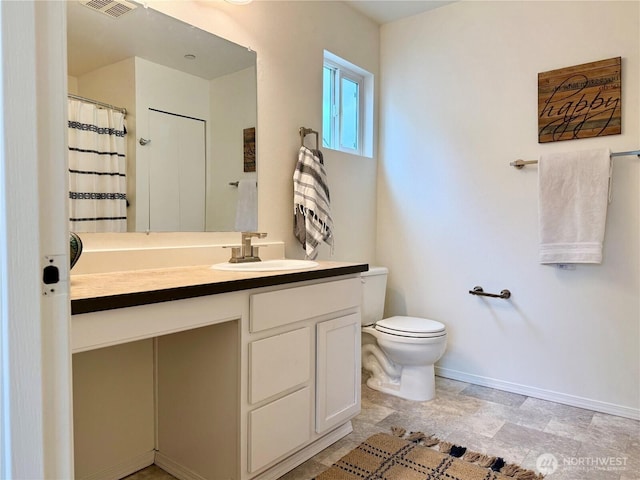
(399, 352)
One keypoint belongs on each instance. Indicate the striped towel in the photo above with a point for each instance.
(312, 212)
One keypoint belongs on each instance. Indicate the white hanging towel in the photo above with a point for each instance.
(247, 206)
(572, 203)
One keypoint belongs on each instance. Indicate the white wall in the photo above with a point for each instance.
(113, 84)
(72, 85)
(289, 38)
(232, 110)
(459, 102)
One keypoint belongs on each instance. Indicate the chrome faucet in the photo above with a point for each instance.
(246, 252)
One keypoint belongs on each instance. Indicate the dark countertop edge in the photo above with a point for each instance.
(111, 302)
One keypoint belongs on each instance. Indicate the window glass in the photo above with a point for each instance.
(327, 106)
(349, 108)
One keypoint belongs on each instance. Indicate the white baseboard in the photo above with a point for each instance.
(273, 473)
(558, 397)
(176, 469)
(123, 469)
(288, 464)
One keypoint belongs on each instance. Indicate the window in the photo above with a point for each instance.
(347, 99)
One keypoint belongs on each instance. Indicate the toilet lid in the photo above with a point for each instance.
(411, 327)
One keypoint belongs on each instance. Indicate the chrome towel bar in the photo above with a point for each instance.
(521, 163)
(480, 292)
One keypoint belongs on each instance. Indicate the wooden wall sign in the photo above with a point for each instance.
(249, 135)
(580, 102)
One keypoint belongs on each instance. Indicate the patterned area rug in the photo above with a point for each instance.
(415, 457)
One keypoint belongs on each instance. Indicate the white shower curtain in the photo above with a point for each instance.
(97, 170)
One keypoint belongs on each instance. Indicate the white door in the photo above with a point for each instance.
(338, 371)
(177, 173)
(35, 358)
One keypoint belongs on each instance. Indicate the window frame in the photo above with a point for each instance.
(342, 69)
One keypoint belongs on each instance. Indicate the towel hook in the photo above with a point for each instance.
(307, 131)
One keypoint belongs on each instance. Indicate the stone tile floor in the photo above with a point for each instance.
(586, 445)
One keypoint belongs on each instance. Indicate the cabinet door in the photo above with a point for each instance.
(338, 371)
(279, 428)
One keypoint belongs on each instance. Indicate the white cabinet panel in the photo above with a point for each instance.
(278, 428)
(279, 363)
(113, 419)
(272, 309)
(338, 371)
(197, 404)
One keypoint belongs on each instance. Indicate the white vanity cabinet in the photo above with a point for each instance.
(243, 385)
(159, 383)
(304, 368)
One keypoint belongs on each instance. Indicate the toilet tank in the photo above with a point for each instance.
(374, 286)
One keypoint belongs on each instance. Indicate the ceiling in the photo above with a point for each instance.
(385, 11)
(95, 40)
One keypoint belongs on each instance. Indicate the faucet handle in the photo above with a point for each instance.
(235, 253)
(255, 249)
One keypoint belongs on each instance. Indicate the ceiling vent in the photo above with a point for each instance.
(111, 8)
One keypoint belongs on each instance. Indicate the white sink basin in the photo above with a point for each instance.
(266, 266)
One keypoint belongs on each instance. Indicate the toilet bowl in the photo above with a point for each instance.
(398, 352)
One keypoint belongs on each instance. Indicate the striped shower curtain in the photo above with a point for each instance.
(97, 171)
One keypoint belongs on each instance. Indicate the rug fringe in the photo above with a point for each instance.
(430, 441)
(495, 463)
(471, 457)
(528, 475)
(445, 447)
(416, 437)
(510, 470)
(486, 461)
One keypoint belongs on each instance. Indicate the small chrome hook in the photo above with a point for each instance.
(144, 141)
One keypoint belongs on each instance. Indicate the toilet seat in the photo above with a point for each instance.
(413, 327)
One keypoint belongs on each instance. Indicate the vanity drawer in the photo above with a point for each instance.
(281, 307)
(279, 428)
(279, 363)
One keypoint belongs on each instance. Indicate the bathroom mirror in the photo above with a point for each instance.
(188, 94)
